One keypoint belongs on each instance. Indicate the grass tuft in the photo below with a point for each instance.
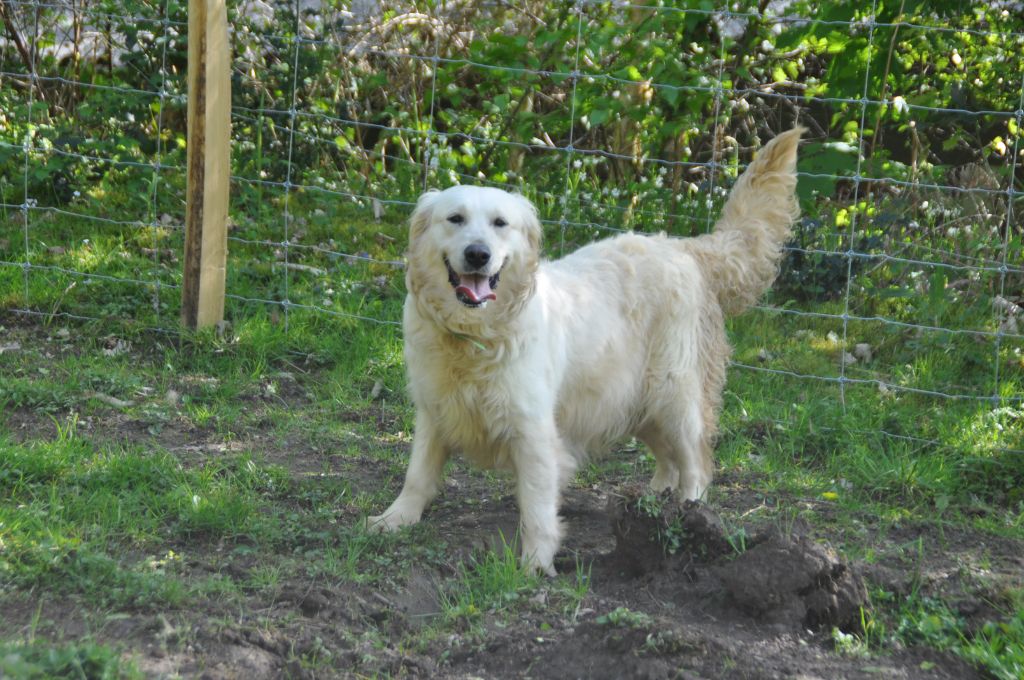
(491, 581)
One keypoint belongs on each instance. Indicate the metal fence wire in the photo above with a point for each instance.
(609, 116)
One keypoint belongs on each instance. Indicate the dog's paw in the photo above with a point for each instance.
(536, 566)
(381, 524)
(389, 521)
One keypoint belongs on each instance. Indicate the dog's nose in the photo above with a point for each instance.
(477, 255)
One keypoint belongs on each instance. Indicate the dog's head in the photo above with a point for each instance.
(473, 251)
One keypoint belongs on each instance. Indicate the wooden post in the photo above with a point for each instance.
(209, 164)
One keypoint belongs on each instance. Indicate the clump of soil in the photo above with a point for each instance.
(777, 577)
(793, 578)
(651, 528)
(641, 524)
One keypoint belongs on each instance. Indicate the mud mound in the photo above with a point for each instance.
(774, 577)
(793, 578)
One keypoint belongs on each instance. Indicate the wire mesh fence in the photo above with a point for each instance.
(609, 116)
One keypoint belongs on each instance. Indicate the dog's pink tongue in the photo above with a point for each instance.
(477, 288)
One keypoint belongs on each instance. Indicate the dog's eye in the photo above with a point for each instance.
(500, 222)
(456, 218)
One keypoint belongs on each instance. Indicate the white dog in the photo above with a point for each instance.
(532, 366)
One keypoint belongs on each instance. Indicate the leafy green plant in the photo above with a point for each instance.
(624, 617)
(39, 660)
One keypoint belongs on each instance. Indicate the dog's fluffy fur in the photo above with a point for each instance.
(532, 366)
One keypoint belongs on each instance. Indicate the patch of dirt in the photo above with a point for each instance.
(719, 603)
(665, 649)
(706, 611)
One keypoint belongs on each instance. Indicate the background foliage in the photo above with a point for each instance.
(609, 116)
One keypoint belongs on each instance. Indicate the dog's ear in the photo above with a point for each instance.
(530, 221)
(421, 217)
(423, 214)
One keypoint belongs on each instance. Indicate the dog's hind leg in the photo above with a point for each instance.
(681, 451)
(422, 479)
(666, 461)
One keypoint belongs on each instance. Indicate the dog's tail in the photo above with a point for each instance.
(740, 258)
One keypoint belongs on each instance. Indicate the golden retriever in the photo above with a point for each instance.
(532, 366)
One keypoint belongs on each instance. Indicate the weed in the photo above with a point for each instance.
(737, 540)
(575, 590)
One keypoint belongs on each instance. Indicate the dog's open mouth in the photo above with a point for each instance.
(472, 290)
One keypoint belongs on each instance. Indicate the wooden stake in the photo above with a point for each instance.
(209, 164)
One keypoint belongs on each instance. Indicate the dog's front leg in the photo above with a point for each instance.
(537, 458)
(422, 479)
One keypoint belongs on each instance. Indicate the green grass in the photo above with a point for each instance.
(489, 582)
(70, 509)
(493, 582)
(998, 646)
(121, 470)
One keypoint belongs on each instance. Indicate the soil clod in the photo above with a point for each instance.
(773, 577)
(795, 579)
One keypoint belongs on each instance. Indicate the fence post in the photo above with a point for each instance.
(209, 164)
